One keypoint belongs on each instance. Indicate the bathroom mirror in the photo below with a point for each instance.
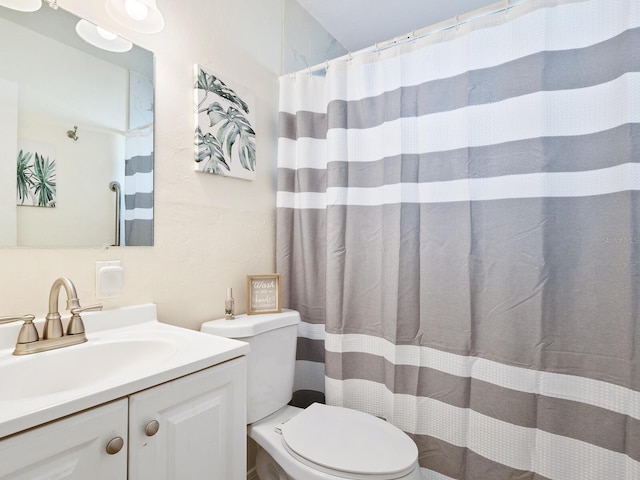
(76, 136)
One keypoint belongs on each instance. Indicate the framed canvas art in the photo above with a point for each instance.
(36, 170)
(225, 139)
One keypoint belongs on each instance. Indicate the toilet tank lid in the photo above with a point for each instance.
(249, 325)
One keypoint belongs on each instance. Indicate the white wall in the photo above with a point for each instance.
(84, 214)
(305, 45)
(8, 149)
(210, 231)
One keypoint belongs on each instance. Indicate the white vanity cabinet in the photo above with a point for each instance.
(191, 428)
(74, 448)
(60, 409)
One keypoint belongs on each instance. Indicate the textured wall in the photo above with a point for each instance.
(210, 231)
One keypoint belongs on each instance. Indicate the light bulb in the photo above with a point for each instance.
(138, 15)
(106, 34)
(101, 38)
(136, 9)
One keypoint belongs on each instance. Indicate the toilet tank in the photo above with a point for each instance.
(272, 339)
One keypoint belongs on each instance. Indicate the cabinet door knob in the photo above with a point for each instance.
(152, 428)
(115, 445)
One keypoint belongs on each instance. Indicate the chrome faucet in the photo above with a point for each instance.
(52, 335)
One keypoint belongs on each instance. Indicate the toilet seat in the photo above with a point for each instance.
(348, 443)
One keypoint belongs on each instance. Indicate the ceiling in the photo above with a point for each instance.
(358, 24)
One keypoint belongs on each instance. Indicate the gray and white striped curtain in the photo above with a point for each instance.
(458, 222)
(138, 187)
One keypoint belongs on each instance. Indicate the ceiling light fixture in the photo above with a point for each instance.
(106, 34)
(22, 5)
(101, 38)
(138, 15)
(136, 10)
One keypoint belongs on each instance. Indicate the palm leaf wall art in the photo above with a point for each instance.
(25, 173)
(36, 175)
(44, 180)
(224, 138)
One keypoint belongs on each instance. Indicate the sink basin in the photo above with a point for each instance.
(78, 366)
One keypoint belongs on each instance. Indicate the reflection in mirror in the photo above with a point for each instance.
(74, 119)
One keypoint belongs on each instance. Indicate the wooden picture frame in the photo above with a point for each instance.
(263, 294)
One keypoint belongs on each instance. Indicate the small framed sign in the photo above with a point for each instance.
(263, 294)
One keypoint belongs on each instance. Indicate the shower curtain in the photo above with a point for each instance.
(138, 187)
(458, 224)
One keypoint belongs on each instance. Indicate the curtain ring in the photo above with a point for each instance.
(457, 21)
(326, 65)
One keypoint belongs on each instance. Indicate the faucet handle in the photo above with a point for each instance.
(28, 332)
(17, 318)
(90, 308)
(76, 325)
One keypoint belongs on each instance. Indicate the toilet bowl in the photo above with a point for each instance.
(320, 442)
(332, 443)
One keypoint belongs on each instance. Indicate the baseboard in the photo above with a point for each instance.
(252, 474)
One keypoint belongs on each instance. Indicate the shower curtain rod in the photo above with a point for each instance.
(501, 6)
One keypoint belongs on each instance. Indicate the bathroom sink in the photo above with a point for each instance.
(78, 367)
(127, 350)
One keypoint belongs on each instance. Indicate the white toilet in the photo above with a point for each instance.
(320, 442)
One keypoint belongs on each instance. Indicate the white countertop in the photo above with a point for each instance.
(141, 353)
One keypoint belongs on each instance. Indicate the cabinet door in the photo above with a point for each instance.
(73, 448)
(201, 420)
